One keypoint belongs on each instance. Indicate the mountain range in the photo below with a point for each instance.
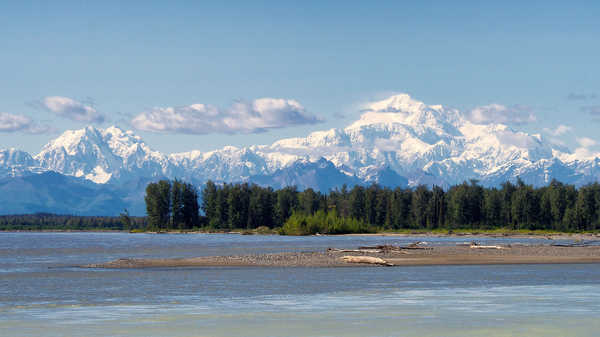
(398, 141)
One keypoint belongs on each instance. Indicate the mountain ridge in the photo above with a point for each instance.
(398, 141)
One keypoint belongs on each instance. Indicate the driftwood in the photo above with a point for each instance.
(360, 250)
(381, 248)
(477, 245)
(486, 247)
(366, 259)
(416, 245)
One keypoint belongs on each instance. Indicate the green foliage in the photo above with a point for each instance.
(323, 223)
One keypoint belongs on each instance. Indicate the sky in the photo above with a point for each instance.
(189, 75)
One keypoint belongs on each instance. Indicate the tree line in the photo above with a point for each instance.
(557, 206)
(46, 221)
(175, 205)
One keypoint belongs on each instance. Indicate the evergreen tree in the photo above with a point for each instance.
(177, 189)
(221, 219)
(209, 200)
(191, 214)
(287, 203)
(556, 192)
(381, 207)
(357, 202)
(158, 204)
(261, 210)
(371, 204)
(238, 201)
(419, 206)
(492, 208)
(308, 201)
(437, 208)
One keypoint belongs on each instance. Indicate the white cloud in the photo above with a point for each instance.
(559, 131)
(588, 148)
(72, 109)
(14, 123)
(498, 113)
(586, 142)
(242, 117)
(518, 139)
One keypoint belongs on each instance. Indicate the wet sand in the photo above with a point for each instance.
(445, 255)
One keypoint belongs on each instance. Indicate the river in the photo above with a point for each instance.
(43, 293)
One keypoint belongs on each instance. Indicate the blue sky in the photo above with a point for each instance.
(125, 59)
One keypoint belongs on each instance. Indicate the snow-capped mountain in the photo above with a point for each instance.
(100, 155)
(15, 163)
(14, 157)
(398, 141)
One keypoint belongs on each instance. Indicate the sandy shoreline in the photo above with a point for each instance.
(446, 255)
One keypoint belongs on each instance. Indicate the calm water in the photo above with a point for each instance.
(42, 293)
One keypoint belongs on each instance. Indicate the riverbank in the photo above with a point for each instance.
(444, 255)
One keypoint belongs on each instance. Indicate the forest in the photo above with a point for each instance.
(556, 207)
(176, 205)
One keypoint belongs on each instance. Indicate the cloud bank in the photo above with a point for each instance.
(15, 123)
(588, 148)
(586, 142)
(242, 117)
(498, 113)
(559, 131)
(69, 108)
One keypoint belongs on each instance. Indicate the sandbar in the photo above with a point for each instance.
(439, 255)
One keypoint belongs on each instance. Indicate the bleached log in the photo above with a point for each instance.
(366, 259)
(486, 247)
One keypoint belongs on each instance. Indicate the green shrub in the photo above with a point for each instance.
(323, 223)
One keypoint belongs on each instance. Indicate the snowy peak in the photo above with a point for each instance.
(402, 109)
(15, 163)
(396, 141)
(14, 157)
(401, 103)
(100, 154)
(74, 142)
